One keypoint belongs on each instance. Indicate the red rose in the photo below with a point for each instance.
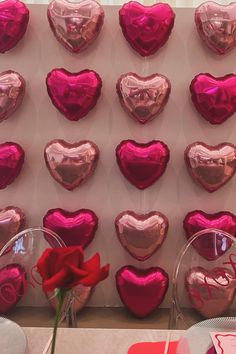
(65, 268)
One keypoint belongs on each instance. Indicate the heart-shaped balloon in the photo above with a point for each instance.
(142, 164)
(13, 286)
(216, 25)
(12, 221)
(12, 158)
(142, 290)
(12, 90)
(71, 164)
(210, 246)
(141, 234)
(74, 94)
(81, 295)
(143, 97)
(146, 28)
(14, 18)
(211, 166)
(211, 292)
(75, 24)
(74, 228)
(214, 98)
(211, 351)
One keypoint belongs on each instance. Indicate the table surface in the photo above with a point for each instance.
(94, 341)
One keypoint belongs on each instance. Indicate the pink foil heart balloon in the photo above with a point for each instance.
(143, 97)
(211, 292)
(81, 294)
(12, 90)
(12, 221)
(146, 28)
(142, 164)
(211, 166)
(11, 161)
(142, 290)
(13, 286)
(210, 246)
(74, 94)
(75, 24)
(71, 164)
(141, 234)
(14, 18)
(214, 98)
(74, 228)
(216, 25)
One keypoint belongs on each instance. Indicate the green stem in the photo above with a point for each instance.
(61, 297)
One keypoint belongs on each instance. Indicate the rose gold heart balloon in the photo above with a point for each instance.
(81, 294)
(12, 221)
(71, 164)
(75, 24)
(211, 292)
(12, 90)
(141, 234)
(216, 25)
(143, 97)
(211, 166)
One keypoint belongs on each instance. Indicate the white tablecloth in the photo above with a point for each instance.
(94, 341)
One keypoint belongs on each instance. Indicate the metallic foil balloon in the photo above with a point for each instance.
(146, 28)
(11, 161)
(76, 228)
(142, 290)
(74, 94)
(211, 351)
(14, 18)
(75, 24)
(71, 164)
(12, 90)
(212, 245)
(12, 221)
(211, 166)
(142, 164)
(214, 98)
(13, 286)
(81, 294)
(141, 234)
(211, 292)
(143, 97)
(216, 25)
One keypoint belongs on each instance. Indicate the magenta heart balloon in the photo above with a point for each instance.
(211, 351)
(211, 166)
(142, 164)
(210, 246)
(74, 94)
(214, 98)
(216, 25)
(71, 164)
(13, 286)
(142, 290)
(74, 228)
(146, 28)
(12, 159)
(143, 97)
(12, 90)
(141, 234)
(75, 24)
(12, 221)
(211, 292)
(14, 18)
